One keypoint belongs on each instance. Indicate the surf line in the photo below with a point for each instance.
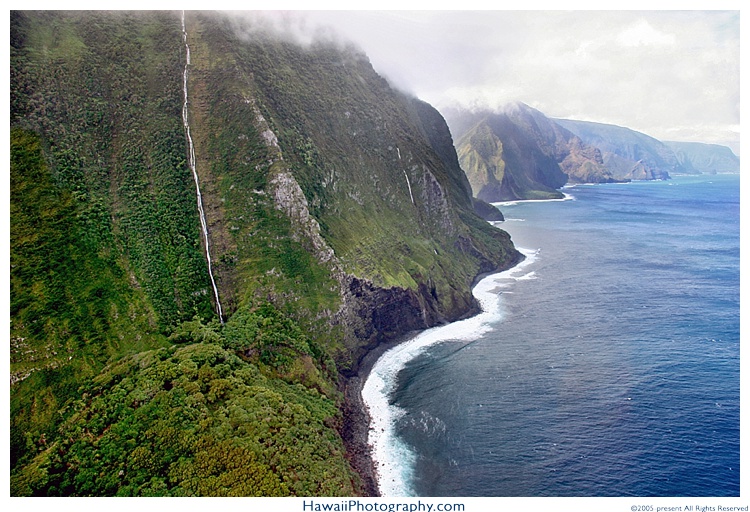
(191, 164)
(393, 459)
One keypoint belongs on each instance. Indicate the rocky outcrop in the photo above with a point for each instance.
(291, 200)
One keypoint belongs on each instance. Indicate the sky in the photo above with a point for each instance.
(674, 75)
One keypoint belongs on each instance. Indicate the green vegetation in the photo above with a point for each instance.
(105, 250)
(106, 262)
(72, 307)
(195, 420)
(352, 143)
(124, 381)
(104, 92)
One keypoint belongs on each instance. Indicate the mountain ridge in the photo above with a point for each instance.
(518, 153)
(705, 158)
(630, 154)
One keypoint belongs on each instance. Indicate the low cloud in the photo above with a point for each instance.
(650, 71)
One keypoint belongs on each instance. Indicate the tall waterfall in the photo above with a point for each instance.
(407, 178)
(409, 185)
(191, 163)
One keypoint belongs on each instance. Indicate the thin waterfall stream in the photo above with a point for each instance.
(191, 164)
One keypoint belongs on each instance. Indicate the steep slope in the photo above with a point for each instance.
(337, 216)
(705, 158)
(518, 153)
(104, 247)
(629, 154)
(502, 162)
(581, 162)
(350, 162)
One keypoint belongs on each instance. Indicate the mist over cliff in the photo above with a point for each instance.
(517, 152)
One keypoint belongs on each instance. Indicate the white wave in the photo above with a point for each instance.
(394, 460)
(515, 202)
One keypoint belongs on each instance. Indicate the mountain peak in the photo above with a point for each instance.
(516, 106)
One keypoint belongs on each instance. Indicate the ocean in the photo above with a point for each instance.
(606, 364)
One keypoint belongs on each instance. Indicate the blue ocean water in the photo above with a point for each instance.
(612, 367)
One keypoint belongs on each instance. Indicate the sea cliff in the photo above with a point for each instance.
(338, 220)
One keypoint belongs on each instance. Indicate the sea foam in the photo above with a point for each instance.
(394, 460)
(515, 202)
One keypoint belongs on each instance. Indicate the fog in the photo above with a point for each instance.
(673, 75)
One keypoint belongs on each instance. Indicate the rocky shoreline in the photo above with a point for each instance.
(356, 419)
(356, 425)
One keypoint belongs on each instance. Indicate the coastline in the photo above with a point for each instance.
(356, 427)
(356, 417)
(512, 202)
(510, 300)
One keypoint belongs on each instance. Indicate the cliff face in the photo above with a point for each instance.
(502, 161)
(628, 154)
(337, 218)
(518, 153)
(374, 169)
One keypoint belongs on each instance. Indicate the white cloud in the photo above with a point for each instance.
(647, 70)
(643, 34)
